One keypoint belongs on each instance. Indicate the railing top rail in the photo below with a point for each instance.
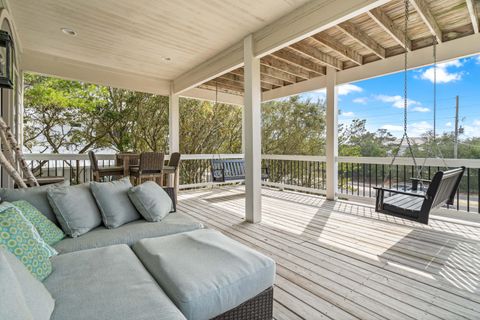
(469, 163)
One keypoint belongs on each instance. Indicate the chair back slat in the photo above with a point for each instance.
(93, 160)
(151, 161)
(444, 186)
(174, 160)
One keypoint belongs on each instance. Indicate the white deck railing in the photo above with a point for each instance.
(357, 175)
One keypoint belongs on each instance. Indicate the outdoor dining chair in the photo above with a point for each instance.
(150, 167)
(101, 172)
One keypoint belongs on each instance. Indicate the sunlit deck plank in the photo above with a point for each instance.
(337, 265)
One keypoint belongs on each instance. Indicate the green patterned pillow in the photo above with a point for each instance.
(49, 232)
(19, 236)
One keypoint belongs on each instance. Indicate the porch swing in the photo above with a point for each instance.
(424, 195)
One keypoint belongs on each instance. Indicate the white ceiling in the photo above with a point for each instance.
(134, 35)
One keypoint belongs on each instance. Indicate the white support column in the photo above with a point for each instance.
(332, 135)
(173, 121)
(243, 129)
(252, 134)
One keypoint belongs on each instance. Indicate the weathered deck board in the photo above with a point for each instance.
(341, 260)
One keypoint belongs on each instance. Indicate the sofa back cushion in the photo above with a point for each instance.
(37, 298)
(49, 231)
(12, 302)
(20, 237)
(37, 196)
(114, 203)
(75, 209)
(151, 201)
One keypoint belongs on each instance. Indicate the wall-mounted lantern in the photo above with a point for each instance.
(6, 60)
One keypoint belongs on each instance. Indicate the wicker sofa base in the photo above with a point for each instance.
(259, 307)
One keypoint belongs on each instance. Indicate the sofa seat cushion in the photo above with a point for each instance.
(204, 272)
(129, 233)
(106, 283)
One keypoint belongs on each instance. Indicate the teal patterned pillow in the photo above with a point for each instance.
(49, 232)
(19, 236)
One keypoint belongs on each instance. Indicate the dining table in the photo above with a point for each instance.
(170, 171)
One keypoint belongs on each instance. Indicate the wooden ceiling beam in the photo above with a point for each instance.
(317, 54)
(279, 64)
(339, 48)
(364, 39)
(240, 79)
(213, 86)
(473, 12)
(421, 6)
(287, 77)
(264, 78)
(295, 59)
(384, 21)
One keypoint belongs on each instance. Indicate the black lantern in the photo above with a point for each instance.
(6, 60)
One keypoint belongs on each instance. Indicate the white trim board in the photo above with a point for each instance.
(43, 63)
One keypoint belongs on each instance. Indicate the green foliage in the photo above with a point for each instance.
(293, 126)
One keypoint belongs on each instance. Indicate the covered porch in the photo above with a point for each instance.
(342, 260)
(336, 257)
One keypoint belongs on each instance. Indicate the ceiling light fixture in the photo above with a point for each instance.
(69, 31)
(166, 59)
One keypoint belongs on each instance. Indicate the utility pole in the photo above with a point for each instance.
(455, 145)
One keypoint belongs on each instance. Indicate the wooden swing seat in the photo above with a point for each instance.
(416, 204)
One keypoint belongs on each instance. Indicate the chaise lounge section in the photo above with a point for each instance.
(170, 269)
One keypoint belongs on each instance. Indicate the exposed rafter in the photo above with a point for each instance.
(289, 68)
(389, 26)
(421, 6)
(214, 85)
(339, 48)
(360, 36)
(472, 10)
(317, 54)
(296, 59)
(281, 75)
(264, 78)
(239, 79)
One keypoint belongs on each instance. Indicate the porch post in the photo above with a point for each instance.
(252, 116)
(332, 135)
(173, 122)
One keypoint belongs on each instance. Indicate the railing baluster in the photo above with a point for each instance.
(468, 189)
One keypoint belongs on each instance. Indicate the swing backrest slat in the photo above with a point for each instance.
(444, 186)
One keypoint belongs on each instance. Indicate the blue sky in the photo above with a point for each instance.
(380, 100)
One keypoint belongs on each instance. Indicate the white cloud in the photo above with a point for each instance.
(362, 100)
(448, 124)
(348, 88)
(476, 123)
(443, 74)
(397, 101)
(348, 114)
(415, 129)
(392, 128)
(420, 109)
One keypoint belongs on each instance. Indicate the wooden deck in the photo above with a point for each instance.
(341, 260)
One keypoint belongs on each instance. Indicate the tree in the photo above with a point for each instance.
(293, 126)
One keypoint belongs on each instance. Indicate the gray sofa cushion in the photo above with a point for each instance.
(38, 299)
(151, 201)
(36, 196)
(75, 209)
(212, 275)
(12, 302)
(106, 283)
(129, 233)
(114, 203)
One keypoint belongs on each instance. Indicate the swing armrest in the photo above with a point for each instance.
(421, 180)
(383, 190)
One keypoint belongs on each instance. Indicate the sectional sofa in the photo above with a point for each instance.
(171, 269)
